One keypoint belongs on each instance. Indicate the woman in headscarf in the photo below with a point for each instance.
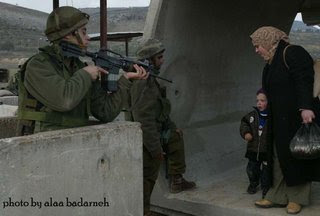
(288, 81)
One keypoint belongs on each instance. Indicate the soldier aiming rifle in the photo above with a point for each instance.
(58, 91)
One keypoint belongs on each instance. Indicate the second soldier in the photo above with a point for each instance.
(161, 137)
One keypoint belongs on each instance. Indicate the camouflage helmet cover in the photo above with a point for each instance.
(63, 21)
(150, 48)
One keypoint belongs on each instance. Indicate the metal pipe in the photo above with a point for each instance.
(55, 4)
(103, 33)
(127, 47)
(103, 24)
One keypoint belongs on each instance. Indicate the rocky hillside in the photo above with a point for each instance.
(21, 29)
(119, 19)
(16, 16)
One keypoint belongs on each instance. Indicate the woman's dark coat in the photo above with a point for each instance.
(289, 91)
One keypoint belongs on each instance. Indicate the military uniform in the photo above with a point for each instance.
(151, 108)
(63, 94)
(149, 105)
(55, 92)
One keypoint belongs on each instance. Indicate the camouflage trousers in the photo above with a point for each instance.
(151, 166)
(175, 154)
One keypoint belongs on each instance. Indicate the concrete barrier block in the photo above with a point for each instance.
(9, 100)
(62, 172)
(8, 127)
(7, 110)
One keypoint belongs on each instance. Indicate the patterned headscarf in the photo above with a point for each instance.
(268, 37)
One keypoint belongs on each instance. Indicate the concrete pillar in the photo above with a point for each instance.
(98, 163)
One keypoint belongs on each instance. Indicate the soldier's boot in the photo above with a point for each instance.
(149, 213)
(178, 184)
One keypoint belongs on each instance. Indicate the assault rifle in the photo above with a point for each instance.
(110, 63)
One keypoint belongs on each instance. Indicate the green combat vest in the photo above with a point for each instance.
(31, 110)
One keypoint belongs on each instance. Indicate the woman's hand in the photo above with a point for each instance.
(307, 116)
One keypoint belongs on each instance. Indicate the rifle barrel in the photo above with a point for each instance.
(159, 77)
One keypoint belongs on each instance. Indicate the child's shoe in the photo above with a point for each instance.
(252, 189)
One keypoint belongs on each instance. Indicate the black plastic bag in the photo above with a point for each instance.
(306, 143)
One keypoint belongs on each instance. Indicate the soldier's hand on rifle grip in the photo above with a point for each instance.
(140, 73)
(94, 71)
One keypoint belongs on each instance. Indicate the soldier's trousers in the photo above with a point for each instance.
(175, 154)
(151, 166)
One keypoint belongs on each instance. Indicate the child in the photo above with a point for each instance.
(253, 129)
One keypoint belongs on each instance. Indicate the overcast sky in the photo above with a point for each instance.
(46, 5)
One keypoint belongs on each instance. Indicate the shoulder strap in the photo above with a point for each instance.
(54, 117)
(284, 56)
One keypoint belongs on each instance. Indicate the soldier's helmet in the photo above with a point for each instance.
(64, 20)
(150, 48)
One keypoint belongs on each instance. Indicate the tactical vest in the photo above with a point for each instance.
(31, 110)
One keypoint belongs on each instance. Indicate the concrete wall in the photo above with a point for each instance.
(8, 126)
(215, 71)
(9, 100)
(90, 162)
(7, 110)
